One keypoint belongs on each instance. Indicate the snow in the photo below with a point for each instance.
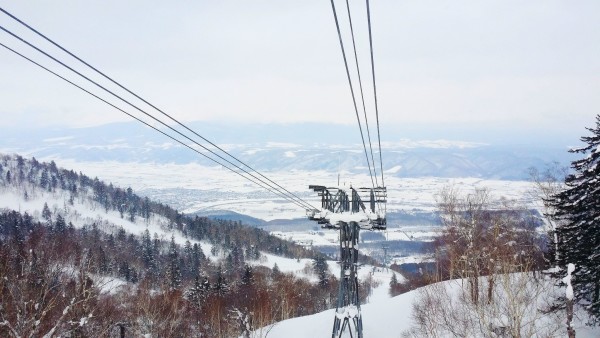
(393, 170)
(567, 280)
(207, 187)
(382, 317)
(110, 285)
(83, 321)
(302, 268)
(389, 317)
(85, 212)
(350, 311)
(315, 238)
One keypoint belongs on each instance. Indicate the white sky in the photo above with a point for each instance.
(491, 64)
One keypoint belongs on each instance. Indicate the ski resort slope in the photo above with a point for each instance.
(382, 316)
(385, 317)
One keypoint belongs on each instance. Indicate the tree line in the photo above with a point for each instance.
(57, 279)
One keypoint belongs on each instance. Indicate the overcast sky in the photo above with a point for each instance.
(497, 65)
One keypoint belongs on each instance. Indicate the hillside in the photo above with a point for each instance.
(387, 317)
(123, 261)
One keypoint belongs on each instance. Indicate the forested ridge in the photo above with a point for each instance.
(93, 278)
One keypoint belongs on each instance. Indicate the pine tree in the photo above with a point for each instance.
(148, 252)
(221, 287)
(321, 268)
(276, 272)
(247, 276)
(44, 182)
(198, 293)
(394, 285)
(578, 218)
(174, 268)
(60, 226)
(46, 214)
(393, 281)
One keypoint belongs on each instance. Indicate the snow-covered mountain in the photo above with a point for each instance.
(307, 147)
(108, 247)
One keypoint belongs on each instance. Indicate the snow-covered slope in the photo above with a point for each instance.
(382, 316)
(385, 317)
(84, 210)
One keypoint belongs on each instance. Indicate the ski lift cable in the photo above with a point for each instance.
(149, 125)
(362, 97)
(301, 202)
(375, 90)
(351, 88)
(154, 107)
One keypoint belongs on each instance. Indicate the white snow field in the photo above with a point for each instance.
(193, 187)
(385, 317)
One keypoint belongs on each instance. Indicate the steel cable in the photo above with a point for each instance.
(351, 89)
(151, 105)
(300, 202)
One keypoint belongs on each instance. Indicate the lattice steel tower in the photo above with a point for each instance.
(345, 209)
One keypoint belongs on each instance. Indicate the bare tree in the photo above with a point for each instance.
(491, 246)
(546, 184)
(45, 298)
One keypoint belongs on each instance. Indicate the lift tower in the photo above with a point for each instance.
(349, 210)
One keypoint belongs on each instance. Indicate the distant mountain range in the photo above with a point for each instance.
(285, 147)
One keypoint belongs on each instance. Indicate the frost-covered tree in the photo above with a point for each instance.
(577, 208)
(321, 269)
(173, 268)
(199, 291)
(395, 286)
(44, 180)
(46, 213)
(221, 286)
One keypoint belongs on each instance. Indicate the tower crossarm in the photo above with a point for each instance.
(340, 204)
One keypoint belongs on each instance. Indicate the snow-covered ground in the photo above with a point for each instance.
(193, 187)
(302, 268)
(320, 324)
(385, 317)
(85, 212)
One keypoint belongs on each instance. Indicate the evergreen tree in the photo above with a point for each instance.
(321, 268)
(60, 226)
(196, 294)
(247, 276)
(393, 281)
(44, 180)
(174, 268)
(148, 252)
(46, 214)
(221, 287)
(276, 272)
(578, 218)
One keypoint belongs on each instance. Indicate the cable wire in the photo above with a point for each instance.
(351, 89)
(301, 202)
(153, 106)
(148, 125)
(362, 97)
(375, 90)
